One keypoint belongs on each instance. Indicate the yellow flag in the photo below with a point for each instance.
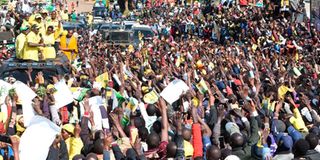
(103, 79)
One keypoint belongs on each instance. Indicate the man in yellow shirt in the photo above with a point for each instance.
(58, 28)
(64, 15)
(90, 18)
(20, 41)
(44, 15)
(69, 46)
(38, 21)
(33, 44)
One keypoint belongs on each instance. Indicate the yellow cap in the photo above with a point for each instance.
(18, 126)
(50, 86)
(68, 127)
(37, 16)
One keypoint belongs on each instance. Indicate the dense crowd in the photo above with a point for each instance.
(248, 75)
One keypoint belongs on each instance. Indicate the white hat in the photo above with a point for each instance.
(232, 157)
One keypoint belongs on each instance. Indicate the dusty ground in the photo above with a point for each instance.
(84, 5)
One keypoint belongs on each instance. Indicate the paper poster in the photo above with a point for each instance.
(24, 92)
(151, 97)
(174, 90)
(4, 90)
(28, 112)
(63, 96)
(94, 102)
(25, 96)
(37, 139)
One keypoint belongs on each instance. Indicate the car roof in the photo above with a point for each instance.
(131, 22)
(141, 26)
(71, 23)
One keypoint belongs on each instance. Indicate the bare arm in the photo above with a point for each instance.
(116, 122)
(30, 44)
(207, 131)
(164, 120)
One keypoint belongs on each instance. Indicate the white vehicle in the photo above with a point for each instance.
(98, 20)
(128, 24)
(144, 29)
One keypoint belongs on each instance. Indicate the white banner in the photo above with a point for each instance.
(37, 139)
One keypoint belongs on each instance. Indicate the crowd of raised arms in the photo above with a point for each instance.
(219, 81)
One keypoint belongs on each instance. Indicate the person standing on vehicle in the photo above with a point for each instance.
(64, 15)
(33, 44)
(69, 46)
(39, 22)
(58, 28)
(20, 41)
(48, 39)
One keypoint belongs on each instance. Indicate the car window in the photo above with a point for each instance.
(119, 36)
(128, 26)
(104, 27)
(146, 33)
(116, 27)
(21, 75)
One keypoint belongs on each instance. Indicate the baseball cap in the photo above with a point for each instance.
(37, 16)
(232, 128)
(24, 28)
(69, 128)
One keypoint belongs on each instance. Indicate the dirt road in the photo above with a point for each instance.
(84, 6)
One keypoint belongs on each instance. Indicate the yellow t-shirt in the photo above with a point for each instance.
(49, 52)
(90, 19)
(74, 146)
(20, 42)
(57, 31)
(188, 148)
(42, 29)
(31, 53)
(64, 16)
(297, 121)
(31, 19)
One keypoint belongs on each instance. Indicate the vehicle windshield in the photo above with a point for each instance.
(112, 27)
(146, 33)
(119, 36)
(21, 75)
